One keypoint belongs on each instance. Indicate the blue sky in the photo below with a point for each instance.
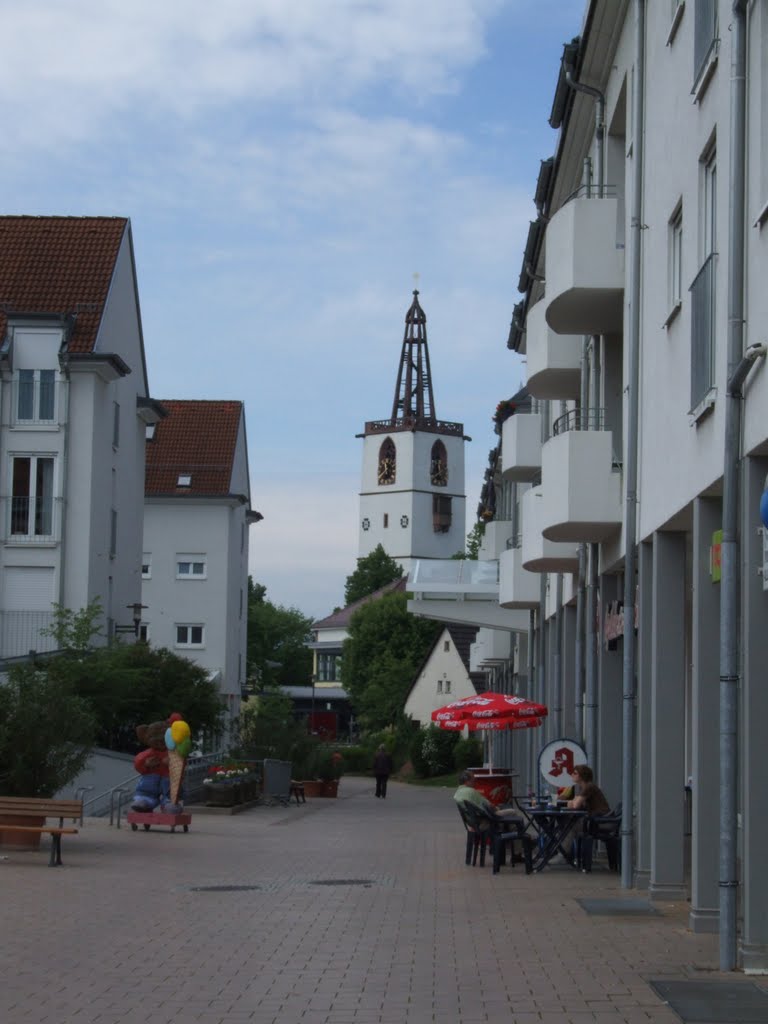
(288, 165)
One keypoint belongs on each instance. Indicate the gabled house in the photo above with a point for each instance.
(194, 565)
(445, 674)
(75, 406)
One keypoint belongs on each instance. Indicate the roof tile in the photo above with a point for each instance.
(198, 439)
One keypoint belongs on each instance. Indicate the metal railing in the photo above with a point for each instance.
(21, 632)
(579, 419)
(31, 520)
(425, 423)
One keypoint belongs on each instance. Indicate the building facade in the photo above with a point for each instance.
(195, 553)
(74, 407)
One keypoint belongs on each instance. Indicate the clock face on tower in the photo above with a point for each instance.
(439, 474)
(386, 470)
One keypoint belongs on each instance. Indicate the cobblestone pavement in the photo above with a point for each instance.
(348, 911)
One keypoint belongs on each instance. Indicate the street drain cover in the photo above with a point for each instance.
(618, 908)
(715, 1002)
(224, 888)
(342, 881)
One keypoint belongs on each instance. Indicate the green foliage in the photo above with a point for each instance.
(267, 727)
(380, 657)
(358, 758)
(74, 631)
(46, 733)
(129, 684)
(474, 540)
(372, 572)
(276, 648)
(329, 767)
(432, 751)
(468, 753)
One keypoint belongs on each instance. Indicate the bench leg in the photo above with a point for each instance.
(55, 850)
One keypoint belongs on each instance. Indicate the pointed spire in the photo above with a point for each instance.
(413, 392)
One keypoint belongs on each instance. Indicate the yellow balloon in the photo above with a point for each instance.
(179, 731)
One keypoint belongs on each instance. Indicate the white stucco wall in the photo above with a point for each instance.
(443, 666)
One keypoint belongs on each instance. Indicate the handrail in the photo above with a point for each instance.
(107, 795)
(579, 419)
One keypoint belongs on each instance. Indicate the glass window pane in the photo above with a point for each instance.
(47, 378)
(26, 401)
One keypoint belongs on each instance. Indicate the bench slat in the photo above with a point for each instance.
(26, 807)
(40, 828)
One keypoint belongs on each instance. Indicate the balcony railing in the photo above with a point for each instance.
(579, 419)
(703, 331)
(427, 424)
(32, 520)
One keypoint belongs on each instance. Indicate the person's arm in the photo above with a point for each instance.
(578, 803)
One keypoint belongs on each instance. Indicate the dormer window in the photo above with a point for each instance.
(184, 480)
(149, 432)
(35, 396)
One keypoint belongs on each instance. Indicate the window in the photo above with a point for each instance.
(328, 666)
(189, 567)
(441, 513)
(704, 42)
(116, 425)
(146, 566)
(446, 645)
(675, 263)
(32, 496)
(386, 520)
(447, 685)
(35, 396)
(703, 289)
(387, 472)
(149, 431)
(676, 13)
(439, 685)
(188, 635)
(184, 480)
(143, 632)
(113, 533)
(438, 465)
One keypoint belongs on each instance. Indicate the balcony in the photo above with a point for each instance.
(492, 647)
(582, 486)
(584, 267)
(521, 446)
(518, 588)
(554, 360)
(22, 632)
(537, 553)
(461, 590)
(495, 537)
(31, 520)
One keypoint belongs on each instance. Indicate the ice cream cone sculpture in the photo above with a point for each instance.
(178, 743)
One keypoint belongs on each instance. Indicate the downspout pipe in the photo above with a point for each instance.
(631, 467)
(729, 579)
(599, 98)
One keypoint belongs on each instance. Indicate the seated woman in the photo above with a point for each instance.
(590, 797)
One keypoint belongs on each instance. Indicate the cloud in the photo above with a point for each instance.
(73, 67)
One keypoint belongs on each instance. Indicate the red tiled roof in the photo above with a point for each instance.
(59, 265)
(340, 619)
(198, 439)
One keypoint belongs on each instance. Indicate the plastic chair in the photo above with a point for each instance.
(476, 841)
(502, 831)
(605, 829)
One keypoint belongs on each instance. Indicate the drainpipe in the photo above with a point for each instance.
(630, 473)
(729, 580)
(591, 559)
(66, 384)
(532, 765)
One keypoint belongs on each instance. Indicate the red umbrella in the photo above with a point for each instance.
(489, 707)
(490, 724)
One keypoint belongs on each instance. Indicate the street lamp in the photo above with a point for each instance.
(137, 608)
(312, 713)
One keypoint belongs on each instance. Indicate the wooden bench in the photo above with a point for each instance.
(21, 808)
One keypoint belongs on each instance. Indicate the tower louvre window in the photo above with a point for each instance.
(438, 465)
(441, 513)
(387, 473)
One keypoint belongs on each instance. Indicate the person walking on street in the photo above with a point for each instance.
(382, 769)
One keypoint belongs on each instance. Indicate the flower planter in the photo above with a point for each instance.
(223, 794)
(313, 787)
(330, 787)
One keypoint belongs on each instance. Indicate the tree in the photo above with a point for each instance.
(474, 540)
(372, 572)
(385, 647)
(46, 733)
(277, 654)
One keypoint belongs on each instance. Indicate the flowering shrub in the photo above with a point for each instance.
(226, 773)
(504, 410)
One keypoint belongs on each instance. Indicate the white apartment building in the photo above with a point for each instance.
(74, 406)
(636, 479)
(195, 556)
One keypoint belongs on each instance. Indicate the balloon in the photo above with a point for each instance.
(184, 747)
(179, 731)
(170, 742)
(175, 717)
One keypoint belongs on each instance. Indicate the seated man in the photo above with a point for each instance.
(466, 793)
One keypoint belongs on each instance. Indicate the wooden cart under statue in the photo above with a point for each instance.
(150, 818)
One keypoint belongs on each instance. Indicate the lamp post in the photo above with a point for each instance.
(136, 608)
(312, 712)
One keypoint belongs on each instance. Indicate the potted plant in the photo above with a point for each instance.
(330, 767)
(504, 410)
(224, 785)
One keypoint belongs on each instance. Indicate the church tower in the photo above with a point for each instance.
(412, 497)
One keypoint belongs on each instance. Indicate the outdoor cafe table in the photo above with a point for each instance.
(551, 824)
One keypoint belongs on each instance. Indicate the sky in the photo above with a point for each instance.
(288, 166)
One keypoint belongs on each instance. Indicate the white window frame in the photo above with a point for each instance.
(146, 565)
(189, 641)
(675, 264)
(32, 496)
(38, 386)
(197, 563)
